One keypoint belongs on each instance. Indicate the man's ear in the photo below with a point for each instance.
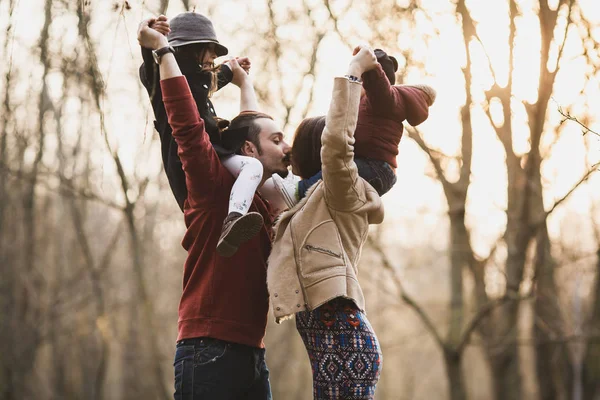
(249, 149)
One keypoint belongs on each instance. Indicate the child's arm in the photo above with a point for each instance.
(225, 74)
(149, 70)
(403, 102)
(378, 90)
(417, 99)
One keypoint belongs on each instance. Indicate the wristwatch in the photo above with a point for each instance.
(353, 78)
(157, 54)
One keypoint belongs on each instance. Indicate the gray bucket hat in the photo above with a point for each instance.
(190, 27)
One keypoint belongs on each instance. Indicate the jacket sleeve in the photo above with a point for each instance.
(416, 100)
(379, 91)
(203, 170)
(400, 103)
(343, 188)
(224, 76)
(149, 72)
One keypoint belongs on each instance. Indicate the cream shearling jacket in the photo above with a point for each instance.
(318, 242)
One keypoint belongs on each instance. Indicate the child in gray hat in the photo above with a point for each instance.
(383, 109)
(193, 40)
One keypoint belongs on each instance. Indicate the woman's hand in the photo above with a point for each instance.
(152, 33)
(364, 60)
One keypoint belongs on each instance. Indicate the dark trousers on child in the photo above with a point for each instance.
(378, 173)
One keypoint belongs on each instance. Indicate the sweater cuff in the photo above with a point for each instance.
(429, 91)
(226, 73)
(175, 87)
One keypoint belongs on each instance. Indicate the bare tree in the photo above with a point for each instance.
(97, 90)
(591, 360)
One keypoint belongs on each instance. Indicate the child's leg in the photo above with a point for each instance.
(270, 192)
(248, 172)
(378, 173)
(240, 225)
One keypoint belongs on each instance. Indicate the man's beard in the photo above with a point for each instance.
(286, 172)
(283, 174)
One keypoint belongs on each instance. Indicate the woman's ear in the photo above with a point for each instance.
(249, 149)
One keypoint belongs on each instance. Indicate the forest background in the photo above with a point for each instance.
(483, 280)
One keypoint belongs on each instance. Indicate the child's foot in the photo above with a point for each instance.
(288, 188)
(237, 229)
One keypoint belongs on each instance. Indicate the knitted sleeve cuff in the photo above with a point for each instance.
(429, 91)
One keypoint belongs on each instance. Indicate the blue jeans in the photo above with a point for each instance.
(212, 369)
(378, 173)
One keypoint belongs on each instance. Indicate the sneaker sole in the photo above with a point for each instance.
(242, 230)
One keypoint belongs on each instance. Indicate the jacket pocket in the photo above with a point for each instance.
(321, 250)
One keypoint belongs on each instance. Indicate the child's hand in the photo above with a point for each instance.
(161, 25)
(152, 38)
(239, 74)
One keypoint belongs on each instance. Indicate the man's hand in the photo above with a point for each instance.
(240, 74)
(364, 60)
(152, 33)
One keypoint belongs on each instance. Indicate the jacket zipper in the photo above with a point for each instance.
(322, 251)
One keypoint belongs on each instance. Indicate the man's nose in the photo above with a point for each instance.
(286, 147)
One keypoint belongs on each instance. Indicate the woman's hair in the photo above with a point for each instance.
(306, 149)
(190, 56)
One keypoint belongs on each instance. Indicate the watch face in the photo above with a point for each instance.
(155, 56)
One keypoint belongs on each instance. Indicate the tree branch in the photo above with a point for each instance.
(405, 297)
(568, 117)
(482, 313)
(434, 156)
(585, 177)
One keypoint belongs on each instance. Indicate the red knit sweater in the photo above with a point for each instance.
(223, 298)
(381, 113)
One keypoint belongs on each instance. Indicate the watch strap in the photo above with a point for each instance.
(161, 52)
(353, 78)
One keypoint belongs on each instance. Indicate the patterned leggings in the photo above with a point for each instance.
(343, 350)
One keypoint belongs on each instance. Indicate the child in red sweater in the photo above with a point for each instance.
(383, 108)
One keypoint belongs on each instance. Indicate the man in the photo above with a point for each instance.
(223, 308)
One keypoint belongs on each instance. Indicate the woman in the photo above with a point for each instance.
(312, 270)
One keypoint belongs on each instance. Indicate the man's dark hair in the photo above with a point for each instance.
(306, 149)
(248, 119)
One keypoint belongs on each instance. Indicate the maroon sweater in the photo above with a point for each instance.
(223, 298)
(381, 113)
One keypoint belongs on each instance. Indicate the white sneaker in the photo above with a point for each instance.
(288, 187)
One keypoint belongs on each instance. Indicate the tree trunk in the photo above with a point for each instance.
(553, 366)
(591, 361)
(456, 382)
(504, 360)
